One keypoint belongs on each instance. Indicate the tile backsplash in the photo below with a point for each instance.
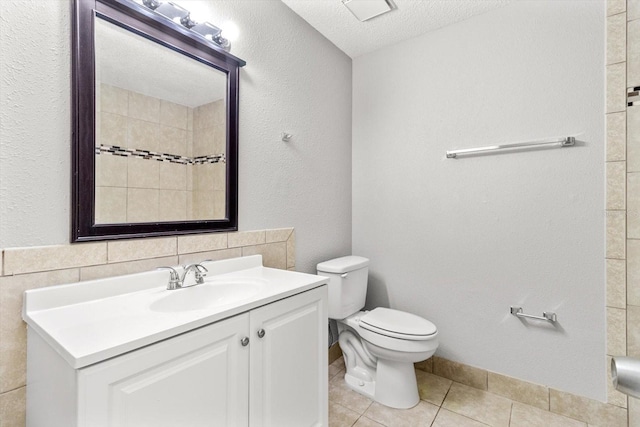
(35, 267)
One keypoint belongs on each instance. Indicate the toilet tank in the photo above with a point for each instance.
(347, 285)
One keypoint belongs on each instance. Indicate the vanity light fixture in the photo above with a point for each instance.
(206, 30)
(176, 13)
(367, 9)
(212, 33)
(151, 4)
(181, 16)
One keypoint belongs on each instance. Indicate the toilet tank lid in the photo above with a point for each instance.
(343, 264)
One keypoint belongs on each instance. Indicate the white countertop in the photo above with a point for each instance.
(88, 322)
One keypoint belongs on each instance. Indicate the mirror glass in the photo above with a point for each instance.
(160, 132)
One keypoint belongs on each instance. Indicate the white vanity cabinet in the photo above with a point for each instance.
(263, 367)
(288, 374)
(198, 379)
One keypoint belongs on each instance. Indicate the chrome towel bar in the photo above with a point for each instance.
(561, 142)
(546, 315)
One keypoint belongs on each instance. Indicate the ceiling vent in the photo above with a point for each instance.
(367, 9)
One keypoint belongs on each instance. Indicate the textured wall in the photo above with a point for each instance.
(294, 81)
(35, 129)
(459, 241)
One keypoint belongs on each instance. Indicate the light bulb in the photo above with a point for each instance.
(230, 31)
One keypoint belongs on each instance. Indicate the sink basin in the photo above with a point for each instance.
(212, 293)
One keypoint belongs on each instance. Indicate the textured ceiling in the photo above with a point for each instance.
(411, 18)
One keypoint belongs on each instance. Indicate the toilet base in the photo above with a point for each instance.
(384, 375)
(396, 384)
(366, 388)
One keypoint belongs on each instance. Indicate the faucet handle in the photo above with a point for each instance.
(201, 272)
(174, 278)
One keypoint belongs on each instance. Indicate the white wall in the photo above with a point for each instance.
(294, 81)
(459, 241)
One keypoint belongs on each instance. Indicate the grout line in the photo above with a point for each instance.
(511, 413)
(436, 417)
(13, 389)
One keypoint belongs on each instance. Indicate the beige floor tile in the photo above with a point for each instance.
(432, 388)
(528, 416)
(584, 409)
(336, 368)
(340, 393)
(522, 391)
(339, 416)
(12, 408)
(451, 419)
(420, 415)
(478, 405)
(366, 422)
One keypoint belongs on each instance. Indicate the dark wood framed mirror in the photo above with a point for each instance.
(154, 126)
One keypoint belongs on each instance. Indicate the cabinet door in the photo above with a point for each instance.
(196, 379)
(288, 374)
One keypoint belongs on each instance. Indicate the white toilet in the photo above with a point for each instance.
(379, 346)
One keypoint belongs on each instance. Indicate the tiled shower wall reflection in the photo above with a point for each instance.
(623, 190)
(153, 164)
(36, 267)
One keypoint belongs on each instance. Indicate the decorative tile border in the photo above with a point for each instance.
(160, 157)
(633, 95)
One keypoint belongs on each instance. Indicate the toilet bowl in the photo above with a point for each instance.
(379, 346)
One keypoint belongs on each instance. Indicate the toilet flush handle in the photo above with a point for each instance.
(344, 275)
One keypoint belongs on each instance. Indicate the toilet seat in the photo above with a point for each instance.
(398, 324)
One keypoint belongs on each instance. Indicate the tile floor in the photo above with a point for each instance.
(443, 403)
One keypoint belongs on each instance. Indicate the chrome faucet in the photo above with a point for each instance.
(198, 270)
(177, 282)
(174, 278)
